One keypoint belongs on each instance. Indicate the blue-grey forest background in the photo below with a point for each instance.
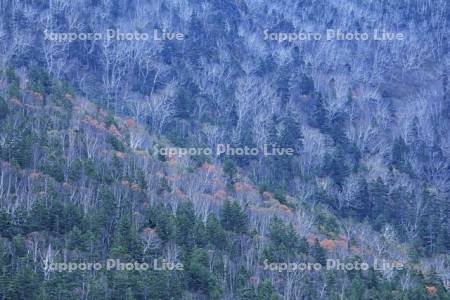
(79, 122)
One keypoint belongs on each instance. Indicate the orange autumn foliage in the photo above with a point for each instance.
(209, 167)
(356, 250)
(329, 245)
(119, 154)
(14, 101)
(94, 123)
(135, 186)
(172, 160)
(284, 208)
(243, 187)
(311, 239)
(220, 194)
(38, 96)
(432, 290)
(34, 175)
(180, 193)
(113, 130)
(217, 182)
(130, 123)
(69, 97)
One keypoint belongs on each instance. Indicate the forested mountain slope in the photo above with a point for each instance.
(83, 121)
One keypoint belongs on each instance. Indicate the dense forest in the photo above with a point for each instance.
(94, 93)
